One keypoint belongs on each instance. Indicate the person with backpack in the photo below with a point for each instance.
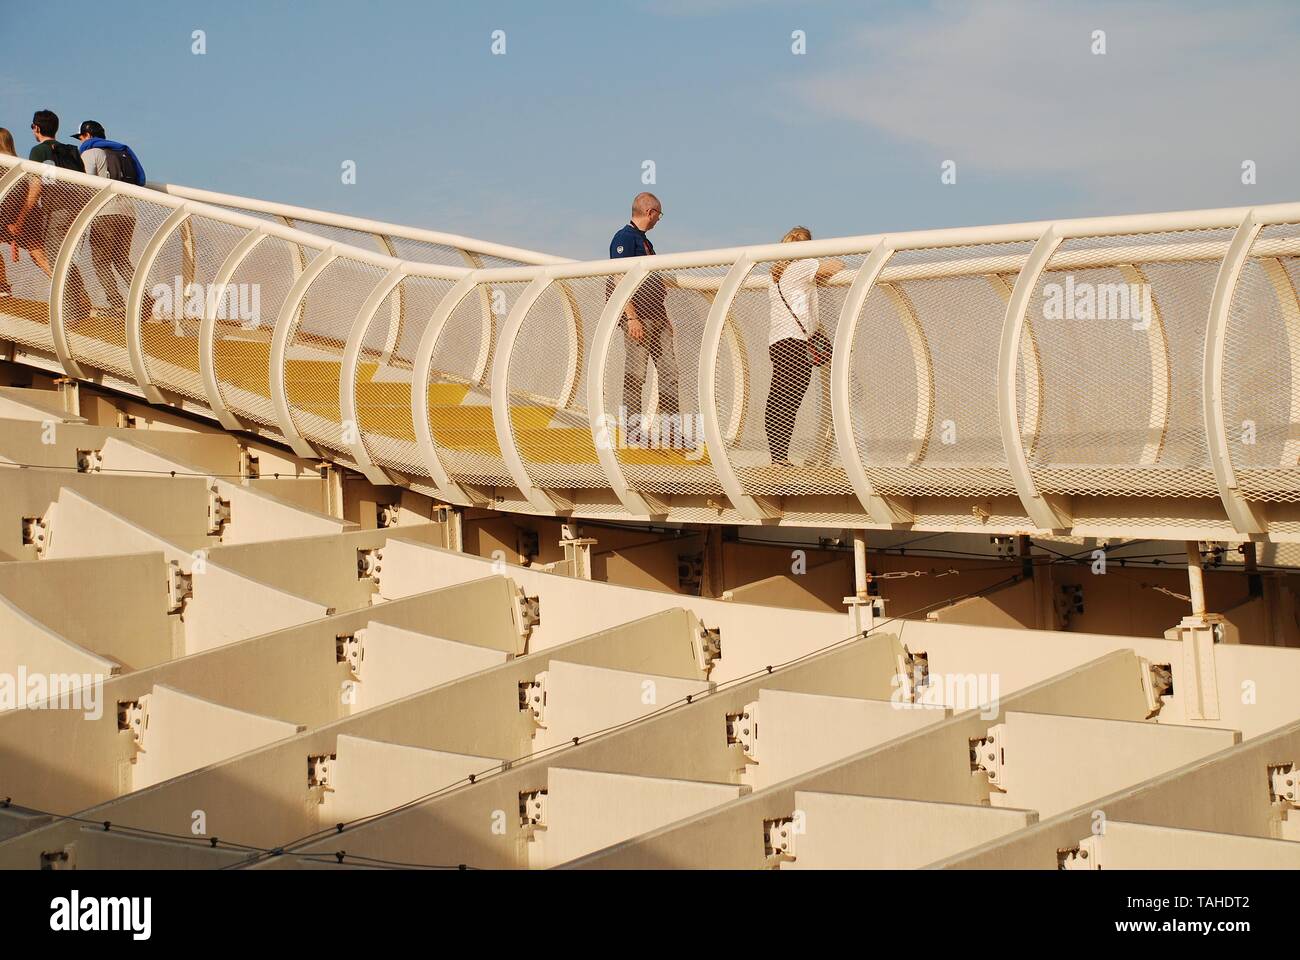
(796, 342)
(113, 227)
(58, 205)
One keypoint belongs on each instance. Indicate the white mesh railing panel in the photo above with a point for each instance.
(547, 378)
(177, 294)
(242, 349)
(460, 395)
(384, 371)
(787, 414)
(315, 348)
(661, 450)
(1121, 349)
(1261, 369)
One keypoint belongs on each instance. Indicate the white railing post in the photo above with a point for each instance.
(879, 509)
(208, 329)
(539, 498)
(59, 279)
(1246, 519)
(285, 325)
(348, 377)
(447, 490)
(719, 458)
(135, 300)
(603, 434)
(1046, 513)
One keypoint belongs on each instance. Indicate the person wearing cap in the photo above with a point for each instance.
(647, 331)
(113, 228)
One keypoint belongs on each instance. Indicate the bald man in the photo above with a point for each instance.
(647, 332)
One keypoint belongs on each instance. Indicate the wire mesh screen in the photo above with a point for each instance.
(384, 369)
(1120, 348)
(179, 292)
(651, 393)
(25, 313)
(785, 444)
(923, 371)
(1261, 368)
(315, 349)
(242, 349)
(94, 300)
(60, 203)
(460, 397)
(547, 383)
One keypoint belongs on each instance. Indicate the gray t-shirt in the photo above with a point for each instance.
(96, 163)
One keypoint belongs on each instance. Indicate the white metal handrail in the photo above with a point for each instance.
(454, 393)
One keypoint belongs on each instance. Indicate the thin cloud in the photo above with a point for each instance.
(1166, 116)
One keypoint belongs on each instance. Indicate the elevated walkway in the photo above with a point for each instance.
(1130, 376)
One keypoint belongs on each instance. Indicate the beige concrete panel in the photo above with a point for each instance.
(93, 848)
(371, 776)
(1256, 683)
(307, 492)
(17, 403)
(115, 607)
(1227, 792)
(30, 647)
(81, 527)
(208, 452)
(932, 764)
(476, 715)
(581, 700)
(57, 760)
(843, 832)
(183, 733)
(587, 811)
(14, 821)
(227, 606)
(1053, 763)
(397, 663)
(121, 455)
(799, 732)
(753, 637)
(479, 824)
(155, 503)
(28, 443)
(822, 588)
(650, 566)
(257, 516)
(319, 568)
(1010, 606)
(1136, 846)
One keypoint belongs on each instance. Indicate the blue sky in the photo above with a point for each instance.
(544, 146)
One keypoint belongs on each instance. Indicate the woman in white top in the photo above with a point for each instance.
(792, 301)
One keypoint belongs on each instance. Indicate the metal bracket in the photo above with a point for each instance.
(388, 515)
(218, 512)
(742, 729)
(708, 647)
(349, 648)
(90, 461)
(1284, 785)
(778, 840)
(180, 587)
(532, 698)
(1157, 683)
(914, 670)
(988, 753)
(36, 531)
(532, 811)
(370, 563)
(320, 771)
(65, 859)
(133, 715)
(528, 615)
(1086, 856)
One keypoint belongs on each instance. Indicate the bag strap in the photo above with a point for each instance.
(802, 328)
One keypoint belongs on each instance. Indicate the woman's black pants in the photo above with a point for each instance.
(791, 373)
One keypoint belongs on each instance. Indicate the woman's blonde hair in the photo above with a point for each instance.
(7, 143)
(793, 235)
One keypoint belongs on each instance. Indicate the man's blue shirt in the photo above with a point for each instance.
(630, 241)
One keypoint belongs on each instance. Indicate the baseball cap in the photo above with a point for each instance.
(92, 127)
